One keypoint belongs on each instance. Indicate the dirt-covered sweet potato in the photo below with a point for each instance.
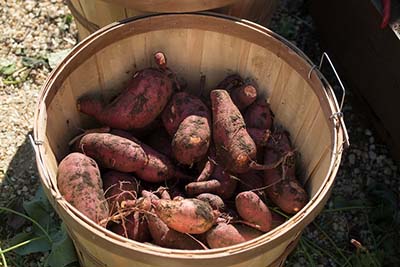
(235, 148)
(191, 216)
(118, 187)
(137, 106)
(252, 209)
(224, 235)
(258, 115)
(283, 188)
(215, 201)
(188, 120)
(79, 182)
(243, 96)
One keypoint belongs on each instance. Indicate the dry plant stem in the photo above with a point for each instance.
(198, 241)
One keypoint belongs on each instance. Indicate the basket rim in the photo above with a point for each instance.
(277, 235)
(166, 6)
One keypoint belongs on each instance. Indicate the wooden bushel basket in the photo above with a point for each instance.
(91, 15)
(195, 44)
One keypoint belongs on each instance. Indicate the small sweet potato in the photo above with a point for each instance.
(235, 148)
(119, 187)
(225, 235)
(215, 201)
(134, 108)
(252, 209)
(114, 152)
(222, 184)
(79, 182)
(191, 216)
(166, 237)
(258, 115)
(243, 96)
(187, 119)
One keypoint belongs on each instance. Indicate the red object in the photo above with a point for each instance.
(386, 13)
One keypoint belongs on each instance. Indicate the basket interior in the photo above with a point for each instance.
(191, 53)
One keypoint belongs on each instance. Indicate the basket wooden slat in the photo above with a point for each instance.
(195, 44)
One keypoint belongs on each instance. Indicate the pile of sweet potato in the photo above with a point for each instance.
(180, 170)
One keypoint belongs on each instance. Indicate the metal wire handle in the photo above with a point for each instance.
(41, 165)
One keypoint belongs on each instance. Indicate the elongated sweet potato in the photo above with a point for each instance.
(166, 237)
(158, 167)
(259, 115)
(235, 148)
(118, 187)
(137, 106)
(79, 182)
(191, 216)
(187, 119)
(225, 235)
(215, 201)
(252, 209)
(207, 166)
(114, 152)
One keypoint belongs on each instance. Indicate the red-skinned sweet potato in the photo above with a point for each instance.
(243, 96)
(215, 201)
(79, 182)
(224, 235)
(134, 108)
(187, 119)
(114, 152)
(191, 216)
(252, 209)
(158, 168)
(258, 115)
(235, 148)
(283, 188)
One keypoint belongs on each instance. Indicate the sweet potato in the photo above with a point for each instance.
(158, 167)
(243, 96)
(114, 152)
(231, 81)
(288, 195)
(252, 209)
(134, 108)
(119, 187)
(166, 237)
(224, 235)
(284, 189)
(222, 184)
(215, 201)
(235, 148)
(207, 166)
(79, 182)
(136, 227)
(258, 115)
(187, 119)
(191, 216)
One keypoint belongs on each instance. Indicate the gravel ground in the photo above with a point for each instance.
(33, 30)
